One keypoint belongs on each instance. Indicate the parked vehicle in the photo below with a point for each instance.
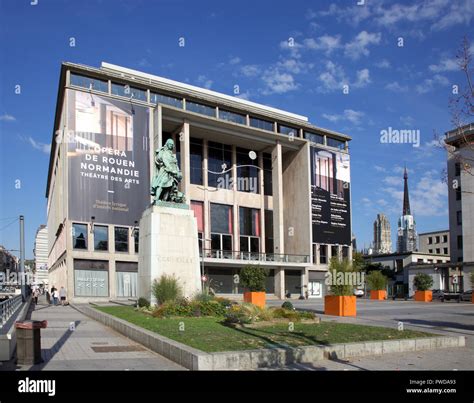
(358, 292)
(446, 296)
(438, 294)
(466, 296)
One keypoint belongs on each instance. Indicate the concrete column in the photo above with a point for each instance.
(235, 209)
(277, 186)
(304, 281)
(280, 282)
(329, 252)
(207, 206)
(184, 137)
(262, 203)
(112, 280)
(317, 254)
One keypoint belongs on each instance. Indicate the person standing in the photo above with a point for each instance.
(62, 295)
(55, 296)
(36, 295)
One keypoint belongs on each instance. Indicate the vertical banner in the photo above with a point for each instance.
(330, 196)
(108, 159)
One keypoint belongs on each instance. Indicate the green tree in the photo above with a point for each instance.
(377, 281)
(342, 277)
(423, 282)
(253, 278)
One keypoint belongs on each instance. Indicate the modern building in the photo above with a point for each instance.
(460, 148)
(382, 235)
(41, 255)
(266, 186)
(435, 242)
(8, 261)
(407, 237)
(400, 263)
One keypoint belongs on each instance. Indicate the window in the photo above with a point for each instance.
(445, 251)
(89, 83)
(247, 172)
(219, 159)
(334, 251)
(430, 250)
(459, 217)
(261, 124)
(165, 99)
(249, 220)
(290, 131)
(341, 145)
(438, 251)
(459, 241)
(345, 252)
(457, 169)
(221, 227)
(314, 138)
(430, 240)
(121, 239)
(269, 247)
(136, 236)
(200, 108)
(445, 238)
(437, 239)
(195, 150)
(126, 274)
(198, 209)
(91, 278)
(232, 117)
(124, 90)
(323, 254)
(101, 238)
(79, 236)
(458, 193)
(419, 260)
(267, 174)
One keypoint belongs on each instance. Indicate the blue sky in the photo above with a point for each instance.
(291, 55)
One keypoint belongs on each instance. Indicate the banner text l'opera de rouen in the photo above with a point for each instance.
(330, 196)
(108, 159)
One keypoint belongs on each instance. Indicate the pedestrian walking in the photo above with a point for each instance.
(55, 296)
(62, 295)
(36, 294)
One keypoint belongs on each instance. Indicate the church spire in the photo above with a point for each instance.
(406, 199)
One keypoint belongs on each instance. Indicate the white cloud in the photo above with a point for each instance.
(359, 45)
(234, 60)
(349, 115)
(383, 64)
(429, 84)
(277, 82)
(444, 65)
(459, 13)
(363, 78)
(379, 168)
(325, 43)
(45, 148)
(333, 78)
(392, 180)
(396, 87)
(294, 66)
(7, 118)
(204, 82)
(292, 46)
(407, 120)
(250, 70)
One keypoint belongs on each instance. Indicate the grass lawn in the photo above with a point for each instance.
(210, 335)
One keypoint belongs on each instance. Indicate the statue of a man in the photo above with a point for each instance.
(164, 185)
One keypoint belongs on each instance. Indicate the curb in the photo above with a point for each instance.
(194, 359)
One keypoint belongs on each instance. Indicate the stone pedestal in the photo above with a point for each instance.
(168, 244)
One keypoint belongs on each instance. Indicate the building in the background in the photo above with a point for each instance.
(266, 186)
(407, 237)
(8, 261)
(435, 242)
(460, 167)
(41, 255)
(382, 235)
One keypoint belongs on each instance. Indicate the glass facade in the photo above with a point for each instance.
(89, 83)
(121, 239)
(269, 247)
(261, 124)
(79, 236)
(136, 234)
(247, 172)
(101, 238)
(196, 156)
(288, 130)
(267, 174)
(232, 117)
(165, 99)
(341, 145)
(201, 108)
(219, 157)
(221, 227)
(314, 138)
(127, 91)
(249, 220)
(91, 278)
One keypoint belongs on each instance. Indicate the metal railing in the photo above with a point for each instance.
(8, 308)
(255, 256)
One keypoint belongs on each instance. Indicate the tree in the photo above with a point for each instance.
(377, 281)
(423, 282)
(253, 278)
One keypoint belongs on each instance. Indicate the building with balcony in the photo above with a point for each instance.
(266, 186)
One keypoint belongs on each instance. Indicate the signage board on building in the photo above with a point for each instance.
(108, 159)
(330, 196)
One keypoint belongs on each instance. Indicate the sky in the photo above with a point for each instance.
(360, 69)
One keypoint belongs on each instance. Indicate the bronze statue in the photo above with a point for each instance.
(164, 186)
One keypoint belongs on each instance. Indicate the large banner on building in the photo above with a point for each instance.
(108, 159)
(330, 196)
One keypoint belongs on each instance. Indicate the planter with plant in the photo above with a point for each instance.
(378, 284)
(252, 279)
(341, 301)
(423, 282)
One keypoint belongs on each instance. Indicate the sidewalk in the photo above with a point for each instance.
(90, 346)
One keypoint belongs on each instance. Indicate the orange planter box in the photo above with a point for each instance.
(424, 296)
(378, 294)
(340, 305)
(256, 298)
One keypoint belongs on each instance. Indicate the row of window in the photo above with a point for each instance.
(100, 236)
(429, 261)
(437, 239)
(438, 251)
(137, 93)
(322, 250)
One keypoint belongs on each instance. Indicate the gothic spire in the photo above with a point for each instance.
(406, 199)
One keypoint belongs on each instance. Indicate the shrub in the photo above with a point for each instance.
(253, 278)
(203, 297)
(143, 302)
(342, 276)
(226, 303)
(166, 289)
(210, 308)
(287, 305)
(247, 313)
(172, 308)
(377, 281)
(423, 282)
